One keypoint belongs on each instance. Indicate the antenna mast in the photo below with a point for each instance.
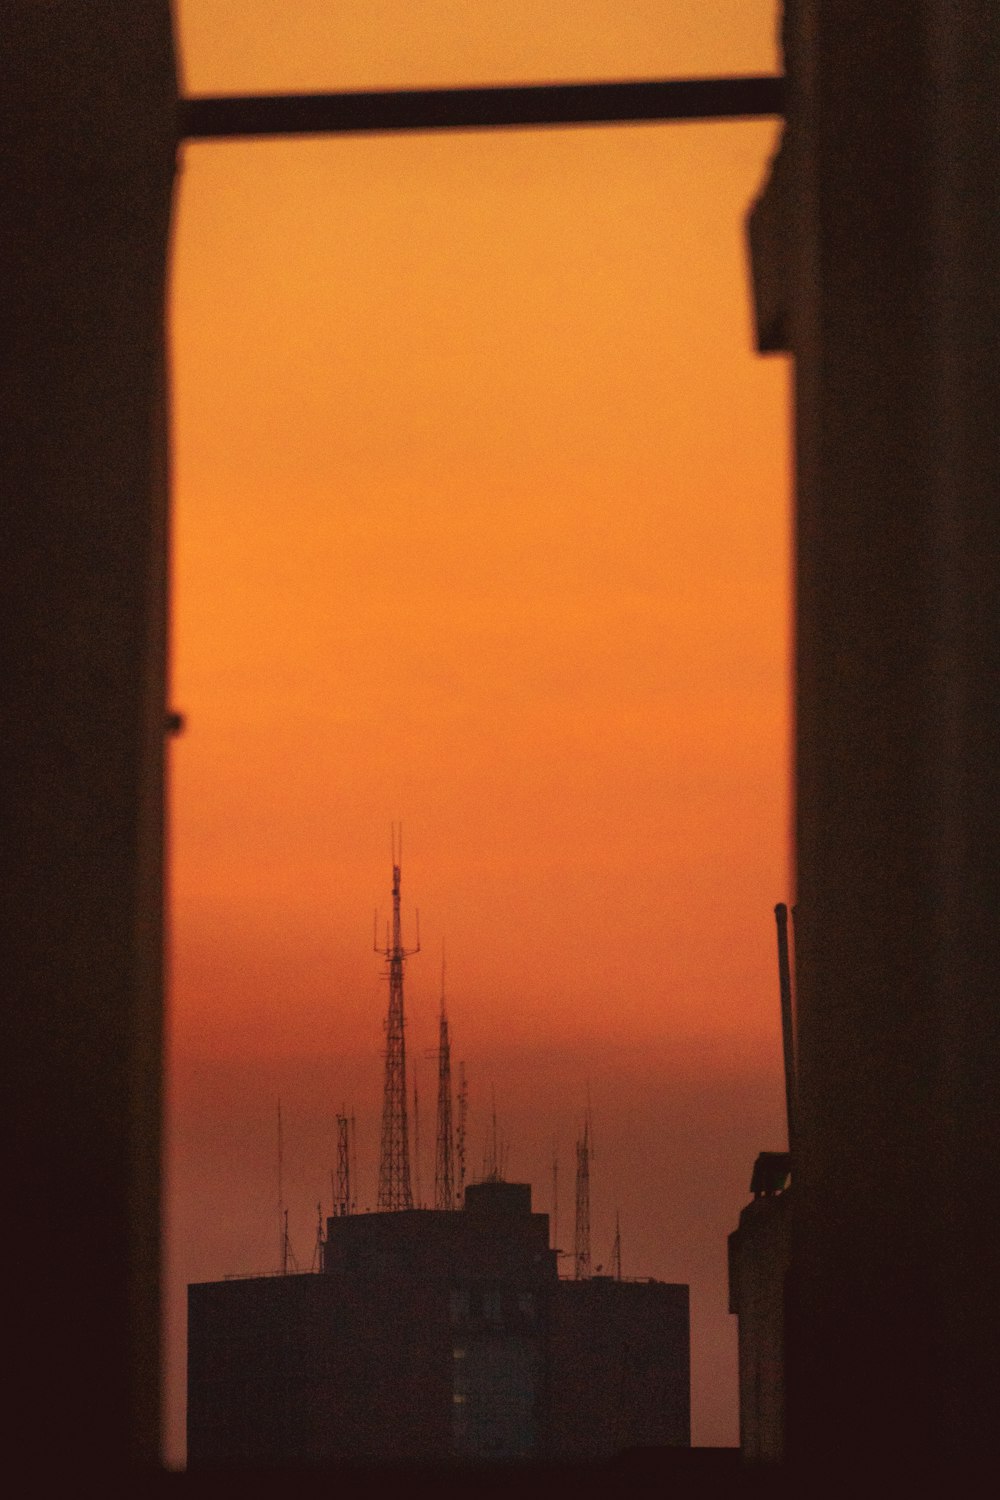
(616, 1252)
(581, 1249)
(463, 1111)
(342, 1201)
(444, 1166)
(394, 1191)
(493, 1172)
(353, 1138)
(286, 1248)
(555, 1196)
(282, 1210)
(317, 1260)
(787, 1024)
(416, 1143)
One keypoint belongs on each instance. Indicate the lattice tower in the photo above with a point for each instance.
(394, 1190)
(342, 1192)
(463, 1113)
(444, 1163)
(581, 1248)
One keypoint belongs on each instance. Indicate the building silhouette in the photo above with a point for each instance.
(436, 1336)
(759, 1261)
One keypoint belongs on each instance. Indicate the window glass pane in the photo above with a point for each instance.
(481, 523)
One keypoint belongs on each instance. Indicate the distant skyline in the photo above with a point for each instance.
(481, 524)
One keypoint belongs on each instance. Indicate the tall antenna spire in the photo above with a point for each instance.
(353, 1138)
(317, 1260)
(394, 1191)
(342, 1199)
(581, 1248)
(282, 1210)
(616, 1251)
(444, 1166)
(555, 1196)
(286, 1245)
(493, 1172)
(287, 1261)
(463, 1111)
(418, 1190)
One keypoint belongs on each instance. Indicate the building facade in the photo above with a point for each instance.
(437, 1337)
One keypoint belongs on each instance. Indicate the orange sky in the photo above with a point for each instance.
(481, 524)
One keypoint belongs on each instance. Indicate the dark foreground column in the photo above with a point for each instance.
(894, 320)
(89, 101)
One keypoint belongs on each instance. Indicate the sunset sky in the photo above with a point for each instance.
(481, 524)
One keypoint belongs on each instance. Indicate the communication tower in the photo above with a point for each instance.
(463, 1112)
(493, 1164)
(287, 1258)
(444, 1164)
(581, 1247)
(418, 1192)
(317, 1260)
(343, 1199)
(555, 1196)
(394, 1191)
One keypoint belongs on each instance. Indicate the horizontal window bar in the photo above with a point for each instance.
(649, 100)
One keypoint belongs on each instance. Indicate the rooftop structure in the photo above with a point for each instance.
(435, 1336)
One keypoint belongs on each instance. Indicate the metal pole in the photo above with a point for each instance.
(787, 1032)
